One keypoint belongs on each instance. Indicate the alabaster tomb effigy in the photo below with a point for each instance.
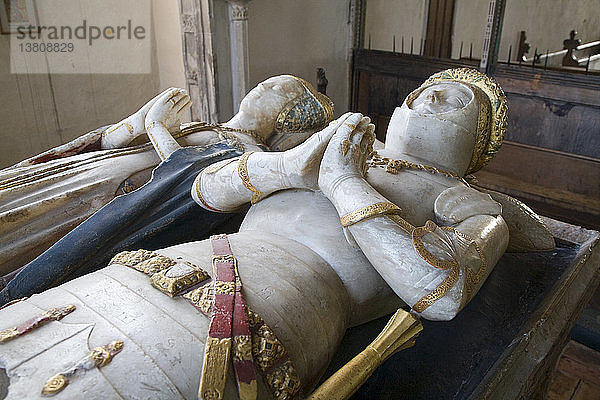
(338, 235)
(45, 197)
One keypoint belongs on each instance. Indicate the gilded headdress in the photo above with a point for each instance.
(492, 118)
(310, 111)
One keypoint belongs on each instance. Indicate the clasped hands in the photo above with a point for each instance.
(166, 109)
(329, 157)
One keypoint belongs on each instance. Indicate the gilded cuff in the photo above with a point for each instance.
(243, 173)
(369, 211)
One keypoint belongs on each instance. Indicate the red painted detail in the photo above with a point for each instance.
(52, 155)
(225, 272)
(244, 371)
(220, 323)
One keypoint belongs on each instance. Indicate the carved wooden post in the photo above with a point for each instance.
(322, 81)
(198, 59)
(491, 43)
(238, 32)
(523, 47)
(570, 44)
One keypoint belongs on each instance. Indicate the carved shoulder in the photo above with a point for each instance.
(460, 202)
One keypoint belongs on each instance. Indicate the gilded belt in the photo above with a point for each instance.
(229, 318)
(254, 343)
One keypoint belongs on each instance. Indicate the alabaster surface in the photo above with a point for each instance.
(164, 337)
(309, 218)
(41, 201)
(334, 238)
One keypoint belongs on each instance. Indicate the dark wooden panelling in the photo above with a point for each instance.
(552, 124)
(383, 94)
(549, 169)
(556, 184)
(553, 110)
(438, 41)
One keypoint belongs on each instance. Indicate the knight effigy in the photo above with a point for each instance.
(341, 230)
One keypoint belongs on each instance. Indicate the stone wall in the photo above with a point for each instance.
(38, 112)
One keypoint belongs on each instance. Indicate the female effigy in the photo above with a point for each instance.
(42, 202)
(336, 236)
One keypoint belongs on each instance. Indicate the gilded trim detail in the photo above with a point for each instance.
(131, 258)
(243, 174)
(472, 278)
(436, 262)
(214, 374)
(310, 110)
(394, 166)
(262, 345)
(178, 278)
(97, 358)
(154, 265)
(202, 298)
(242, 348)
(222, 287)
(369, 211)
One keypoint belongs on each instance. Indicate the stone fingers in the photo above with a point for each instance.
(345, 131)
(354, 141)
(182, 103)
(174, 97)
(361, 140)
(356, 134)
(325, 135)
(366, 146)
(144, 110)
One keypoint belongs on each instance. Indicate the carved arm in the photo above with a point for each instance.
(435, 270)
(229, 184)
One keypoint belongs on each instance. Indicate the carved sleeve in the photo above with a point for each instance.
(458, 203)
(435, 269)
(230, 184)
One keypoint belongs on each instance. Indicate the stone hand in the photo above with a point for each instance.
(123, 132)
(167, 111)
(169, 108)
(347, 153)
(301, 163)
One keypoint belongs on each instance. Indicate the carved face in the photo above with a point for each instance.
(286, 110)
(442, 98)
(437, 124)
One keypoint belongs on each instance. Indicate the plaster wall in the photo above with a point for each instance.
(547, 23)
(41, 111)
(167, 36)
(385, 19)
(295, 37)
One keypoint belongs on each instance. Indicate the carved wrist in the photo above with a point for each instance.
(242, 169)
(351, 192)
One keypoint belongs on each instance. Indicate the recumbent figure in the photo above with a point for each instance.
(336, 237)
(42, 202)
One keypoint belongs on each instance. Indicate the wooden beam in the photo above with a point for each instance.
(438, 39)
(199, 58)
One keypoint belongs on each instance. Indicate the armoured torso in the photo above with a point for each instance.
(309, 218)
(296, 293)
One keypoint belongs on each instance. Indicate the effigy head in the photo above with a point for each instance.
(307, 113)
(287, 110)
(446, 92)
